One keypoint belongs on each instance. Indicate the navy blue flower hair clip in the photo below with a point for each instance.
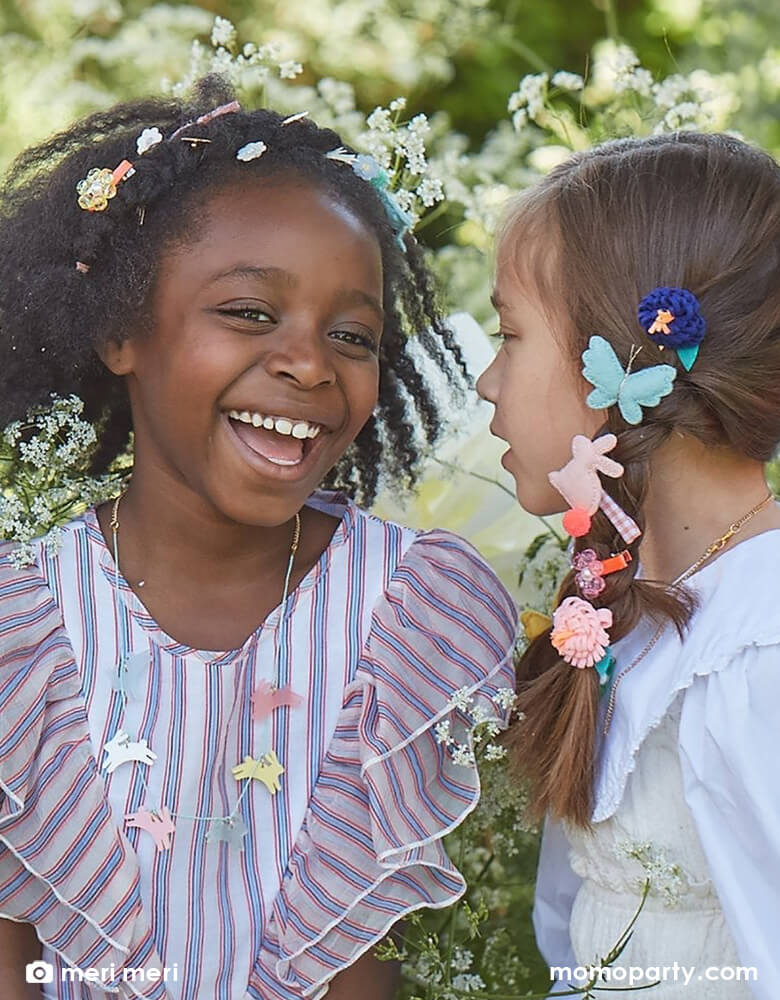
(671, 317)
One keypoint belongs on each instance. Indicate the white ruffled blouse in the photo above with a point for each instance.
(687, 796)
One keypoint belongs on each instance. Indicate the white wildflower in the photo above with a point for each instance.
(494, 752)
(529, 96)
(567, 81)
(462, 699)
(462, 959)
(289, 69)
(468, 982)
(380, 121)
(463, 755)
(270, 52)
(148, 138)
(667, 879)
(668, 92)
(640, 81)
(398, 104)
(339, 96)
(223, 33)
(505, 698)
(681, 115)
(441, 732)
(430, 190)
(519, 119)
(480, 714)
(12, 433)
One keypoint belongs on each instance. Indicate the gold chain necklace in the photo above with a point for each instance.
(708, 553)
(114, 526)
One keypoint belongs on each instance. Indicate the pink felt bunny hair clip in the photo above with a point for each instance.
(579, 484)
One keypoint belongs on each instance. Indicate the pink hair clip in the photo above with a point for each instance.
(223, 109)
(579, 484)
(590, 570)
(579, 632)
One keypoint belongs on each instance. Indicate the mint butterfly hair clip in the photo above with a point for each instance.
(614, 384)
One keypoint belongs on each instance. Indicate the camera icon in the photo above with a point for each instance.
(39, 972)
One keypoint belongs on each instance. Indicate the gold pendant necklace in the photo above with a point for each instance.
(708, 553)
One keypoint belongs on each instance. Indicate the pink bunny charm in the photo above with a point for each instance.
(579, 484)
(158, 824)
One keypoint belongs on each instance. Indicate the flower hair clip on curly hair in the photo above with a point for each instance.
(100, 186)
(371, 171)
(671, 317)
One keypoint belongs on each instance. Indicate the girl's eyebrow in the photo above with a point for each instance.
(353, 297)
(495, 301)
(254, 271)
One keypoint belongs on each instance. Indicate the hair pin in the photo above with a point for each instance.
(579, 635)
(251, 151)
(100, 186)
(590, 570)
(579, 484)
(223, 109)
(630, 390)
(672, 317)
(295, 118)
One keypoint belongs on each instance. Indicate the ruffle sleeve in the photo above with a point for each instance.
(728, 757)
(64, 865)
(370, 848)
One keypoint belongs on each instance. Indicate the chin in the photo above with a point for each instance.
(537, 504)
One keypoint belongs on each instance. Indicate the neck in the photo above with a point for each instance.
(172, 535)
(695, 493)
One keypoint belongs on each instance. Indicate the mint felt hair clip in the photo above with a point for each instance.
(671, 317)
(614, 384)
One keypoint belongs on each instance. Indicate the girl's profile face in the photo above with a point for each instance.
(536, 389)
(269, 322)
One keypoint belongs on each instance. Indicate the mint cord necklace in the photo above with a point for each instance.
(267, 698)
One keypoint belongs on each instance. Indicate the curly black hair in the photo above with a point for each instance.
(53, 314)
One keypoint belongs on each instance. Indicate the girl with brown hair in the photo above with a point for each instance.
(638, 386)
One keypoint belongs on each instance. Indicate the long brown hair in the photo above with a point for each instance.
(688, 210)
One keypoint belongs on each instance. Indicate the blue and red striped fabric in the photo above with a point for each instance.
(377, 638)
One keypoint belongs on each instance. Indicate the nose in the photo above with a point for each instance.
(487, 384)
(302, 357)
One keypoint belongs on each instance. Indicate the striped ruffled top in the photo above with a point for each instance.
(376, 639)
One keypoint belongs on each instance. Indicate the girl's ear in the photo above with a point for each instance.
(118, 357)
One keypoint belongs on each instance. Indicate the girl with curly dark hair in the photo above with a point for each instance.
(219, 775)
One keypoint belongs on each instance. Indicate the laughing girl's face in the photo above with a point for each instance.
(262, 366)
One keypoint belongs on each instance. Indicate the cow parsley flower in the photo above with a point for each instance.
(567, 81)
(223, 33)
(289, 69)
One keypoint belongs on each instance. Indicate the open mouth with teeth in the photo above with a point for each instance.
(278, 440)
